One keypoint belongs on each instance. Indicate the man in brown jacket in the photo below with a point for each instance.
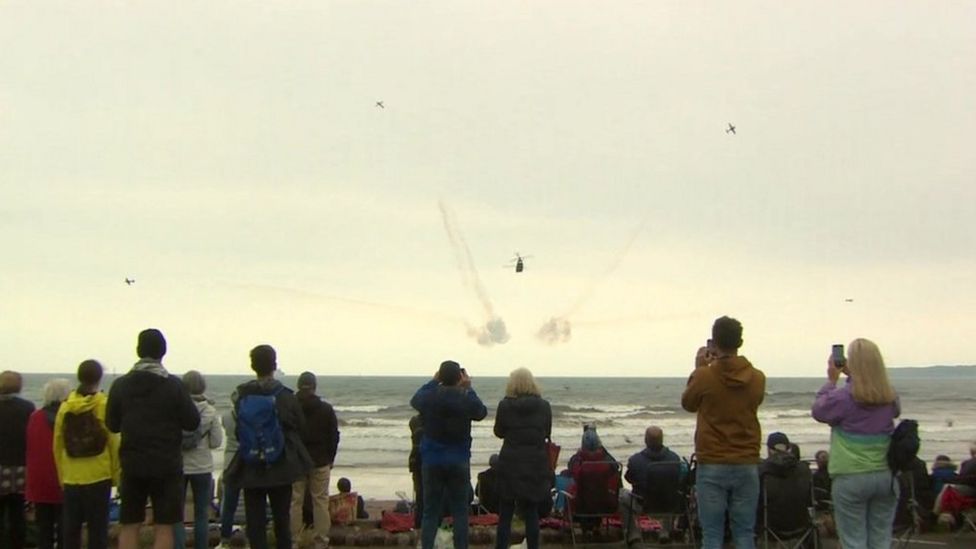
(726, 392)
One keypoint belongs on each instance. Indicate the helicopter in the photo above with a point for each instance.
(517, 262)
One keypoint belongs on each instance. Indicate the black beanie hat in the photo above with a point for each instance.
(151, 344)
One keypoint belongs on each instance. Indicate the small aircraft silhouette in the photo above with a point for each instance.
(731, 129)
(380, 104)
(517, 262)
(130, 281)
(849, 300)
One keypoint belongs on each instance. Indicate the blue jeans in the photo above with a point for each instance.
(864, 509)
(228, 509)
(446, 486)
(200, 484)
(731, 488)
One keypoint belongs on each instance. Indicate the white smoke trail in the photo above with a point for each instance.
(558, 329)
(494, 330)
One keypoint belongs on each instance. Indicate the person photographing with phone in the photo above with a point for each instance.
(725, 390)
(447, 405)
(861, 415)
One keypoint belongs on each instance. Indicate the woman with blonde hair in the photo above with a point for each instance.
(861, 416)
(524, 422)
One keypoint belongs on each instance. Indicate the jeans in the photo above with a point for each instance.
(13, 523)
(418, 499)
(317, 481)
(864, 509)
(448, 485)
(727, 488)
(257, 515)
(86, 503)
(200, 484)
(530, 513)
(228, 509)
(47, 517)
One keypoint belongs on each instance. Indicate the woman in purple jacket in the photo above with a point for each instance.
(861, 416)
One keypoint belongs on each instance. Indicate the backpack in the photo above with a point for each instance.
(259, 431)
(903, 449)
(84, 435)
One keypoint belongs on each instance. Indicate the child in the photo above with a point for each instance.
(345, 487)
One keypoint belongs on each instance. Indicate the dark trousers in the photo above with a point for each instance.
(257, 516)
(529, 511)
(47, 517)
(228, 508)
(418, 499)
(13, 524)
(86, 504)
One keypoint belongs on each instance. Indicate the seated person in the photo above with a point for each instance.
(785, 486)
(655, 484)
(487, 486)
(821, 481)
(592, 461)
(345, 487)
(959, 491)
(943, 469)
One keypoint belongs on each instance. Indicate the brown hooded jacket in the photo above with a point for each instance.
(726, 394)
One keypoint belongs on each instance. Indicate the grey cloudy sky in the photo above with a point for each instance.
(229, 156)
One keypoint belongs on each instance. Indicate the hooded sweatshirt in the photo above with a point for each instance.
(726, 394)
(151, 409)
(88, 470)
(199, 460)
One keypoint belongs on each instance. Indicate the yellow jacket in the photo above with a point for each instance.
(88, 470)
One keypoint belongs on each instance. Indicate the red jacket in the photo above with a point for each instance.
(42, 474)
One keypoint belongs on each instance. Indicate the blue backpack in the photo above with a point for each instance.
(259, 432)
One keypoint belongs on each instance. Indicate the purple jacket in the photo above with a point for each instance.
(836, 407)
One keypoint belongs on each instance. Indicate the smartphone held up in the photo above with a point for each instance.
(837, 355)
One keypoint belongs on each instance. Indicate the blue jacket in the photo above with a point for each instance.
(447, 413)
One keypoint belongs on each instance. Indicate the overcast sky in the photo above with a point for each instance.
(231, 158)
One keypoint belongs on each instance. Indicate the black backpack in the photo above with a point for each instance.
(84, 435)
(903, 449)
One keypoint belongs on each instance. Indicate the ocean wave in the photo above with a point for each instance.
(368, 409)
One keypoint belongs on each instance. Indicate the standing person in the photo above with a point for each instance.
(15, 412)
(861, 416)
(524, 422)
(150, 409)
(321, 439)
(270, 456)
(726, 392)
(87, 456)
(43, 488)
(415, 465)
(447, 406)
(198, 461)
(231, 492)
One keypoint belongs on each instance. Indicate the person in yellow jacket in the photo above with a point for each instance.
(87, 457)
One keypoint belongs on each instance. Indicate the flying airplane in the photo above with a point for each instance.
(380, 104)
(731, 129)
(849, 300)
(130, 281)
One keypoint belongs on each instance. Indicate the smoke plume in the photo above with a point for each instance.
(555, 330)
(493, 331)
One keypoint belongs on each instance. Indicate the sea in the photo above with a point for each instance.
(374, 412)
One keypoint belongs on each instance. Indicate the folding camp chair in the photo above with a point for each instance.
(596, 496)
(792, 522)
(905, 531)
(663, 495)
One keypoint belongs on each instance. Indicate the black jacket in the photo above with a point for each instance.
(321, 434)
(295, 463)
(524, 423)
(151, 412)
(788, 485)
(14, 413)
